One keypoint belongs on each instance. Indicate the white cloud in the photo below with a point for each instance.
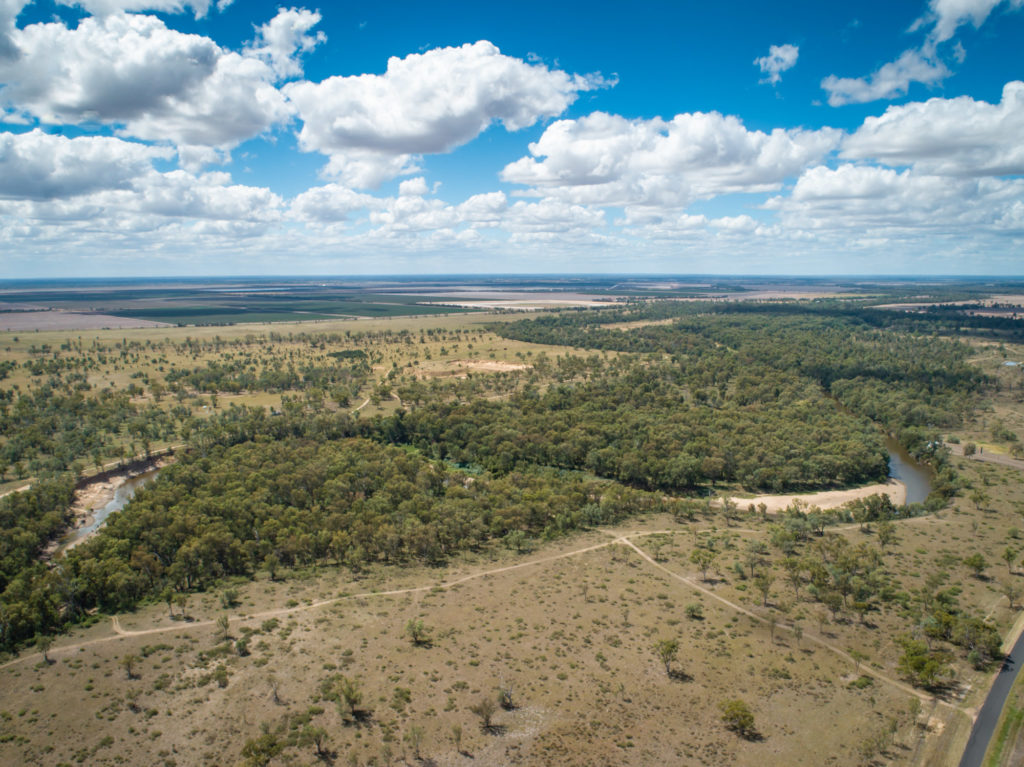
(206, 196)
(891, 80)
(949, 15)
(38, 166)
(132, 71)
(874, 201)
(330, 204)
(779, 59)
(609, 160)
(372, 126)
(918, 65)
(283, 38)
(957, 136)
(413, 186)
(109, 7)
(9, 10)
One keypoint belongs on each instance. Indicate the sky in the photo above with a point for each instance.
(210, 137)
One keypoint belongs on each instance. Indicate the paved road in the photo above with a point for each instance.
(985, 725)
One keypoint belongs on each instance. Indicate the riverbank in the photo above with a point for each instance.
(95, 495)
(827, 499)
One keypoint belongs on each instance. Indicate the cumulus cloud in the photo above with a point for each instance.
(957, 136)
(891, 80)
(779, 59)
(609, 160)
(9, 10)
(108, 7)
(38, 166)
(875, 201)
(133, 72)
(330, 203)
(283, 38)
(372, 126)
(207, 196)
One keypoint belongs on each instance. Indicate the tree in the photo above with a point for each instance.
(977, 563)
(1012, 593)
(666, 650)
(738, 717)
(223, 627)
(44, 642)
(1008, 556)
(316, 737)
(272, 564)
(756, 555)
(921, 665)
(970, 449)
(349, 696)
(129, 663)
(417, 632)
(886, 533)
(485, 709)
(457, 737)
(414, 737)
(763, 583)
(703, 558)
(979, 498)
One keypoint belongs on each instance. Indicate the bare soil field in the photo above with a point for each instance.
(55, 320)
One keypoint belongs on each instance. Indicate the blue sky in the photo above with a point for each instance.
(159, 137)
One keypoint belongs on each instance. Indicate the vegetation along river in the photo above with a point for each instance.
(902, 466)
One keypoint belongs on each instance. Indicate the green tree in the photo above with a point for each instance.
(129, 662)
(977, 563)
(485, 709)
(1008, 556)
(886, 533)
(763, 583)
(667, 650)
(223, 627)
(316, 737)
(44, 642)
(703, 558)
(417, 632)
(738, 717)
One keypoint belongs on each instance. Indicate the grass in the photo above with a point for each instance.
(1007, 745)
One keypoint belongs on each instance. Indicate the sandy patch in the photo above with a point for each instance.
(459, 368)
(828, 499)
(53, 320)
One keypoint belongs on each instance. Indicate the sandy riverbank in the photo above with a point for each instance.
(828, 499)
(93, 496)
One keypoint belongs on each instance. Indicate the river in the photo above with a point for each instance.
(917, 477)
(122, 494)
